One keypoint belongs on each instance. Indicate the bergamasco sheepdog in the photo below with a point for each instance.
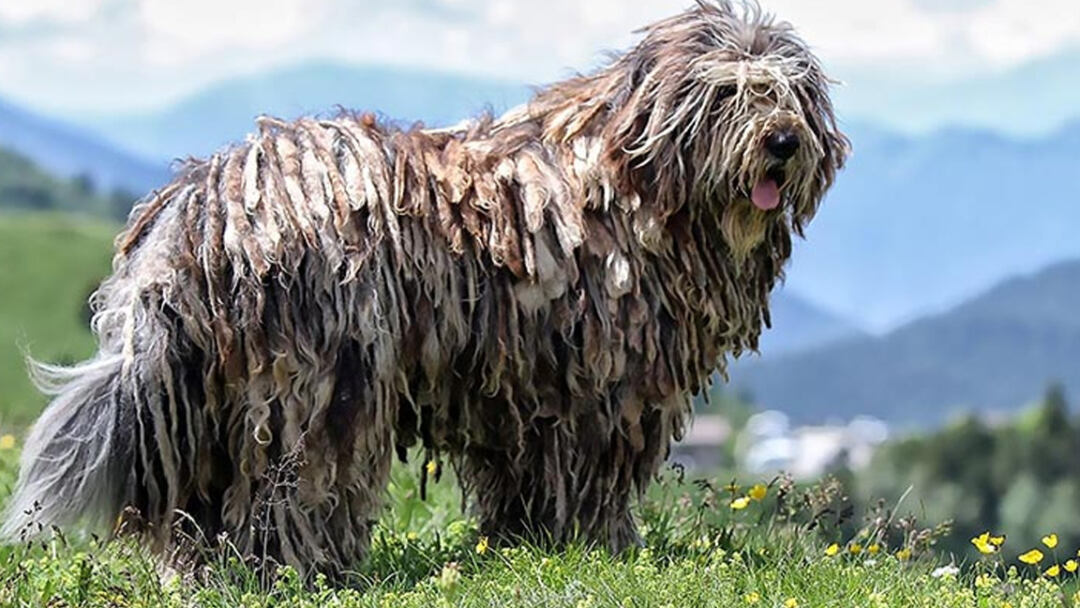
(529, 299)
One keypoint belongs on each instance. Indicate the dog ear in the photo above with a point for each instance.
(642, 154)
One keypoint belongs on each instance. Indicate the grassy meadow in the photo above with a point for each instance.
(706, 544)
(49, 265)
(708, 541)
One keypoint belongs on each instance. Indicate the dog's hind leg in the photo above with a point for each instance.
(317, 484)
(569, 481)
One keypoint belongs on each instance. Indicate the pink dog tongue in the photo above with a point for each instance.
(766, 195)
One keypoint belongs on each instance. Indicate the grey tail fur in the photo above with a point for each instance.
(75, 461)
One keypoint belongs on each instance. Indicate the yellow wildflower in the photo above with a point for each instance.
(1071, 565)
(791, 603)
(1050, 540)
(7, 442)
(832, 549)
(1053, 571)
(855, 548)
(482, 545)
(983, 543)
(432, 467)
(1032, 557)
(903, 554)
(997, 541)
(873, 549)
(740, 503)
(752, 597)
(758, 492)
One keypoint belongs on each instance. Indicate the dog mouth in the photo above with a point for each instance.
(766, 193)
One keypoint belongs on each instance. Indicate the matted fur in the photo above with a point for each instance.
(530, 298)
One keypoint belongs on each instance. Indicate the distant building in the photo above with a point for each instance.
(770, 445)
(703, 446)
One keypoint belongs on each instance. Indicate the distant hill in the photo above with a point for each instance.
(798, 325)
(71, 151)
(995, 352)
(26, 186)
(225, 112)
(916, 225)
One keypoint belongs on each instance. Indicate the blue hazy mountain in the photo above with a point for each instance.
(225, 112)
(68, 151)
(917, 224)
(798, 325)
(994, 352)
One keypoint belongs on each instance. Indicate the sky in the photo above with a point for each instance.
(124, 55)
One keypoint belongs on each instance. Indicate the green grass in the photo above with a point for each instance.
(49, 265)
(699, 552)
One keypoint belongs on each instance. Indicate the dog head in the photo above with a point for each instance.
(727, 110)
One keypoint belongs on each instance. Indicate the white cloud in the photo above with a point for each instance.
(116, 53)
(68, 11)
(179, 32)
(73, 50)
(866, 31)
(950, 38)
(1013, 31)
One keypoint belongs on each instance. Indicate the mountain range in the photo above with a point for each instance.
(68, 150)
(798, 325)
(915, 224)
(225, 112)
(25, 186)
(994, 352)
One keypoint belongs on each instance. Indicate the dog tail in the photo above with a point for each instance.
(75, 461)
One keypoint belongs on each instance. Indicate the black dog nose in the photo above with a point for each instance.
(782, 144)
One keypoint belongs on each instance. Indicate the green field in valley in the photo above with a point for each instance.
(49, 265)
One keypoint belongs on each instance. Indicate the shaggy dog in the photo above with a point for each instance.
(531, 299)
